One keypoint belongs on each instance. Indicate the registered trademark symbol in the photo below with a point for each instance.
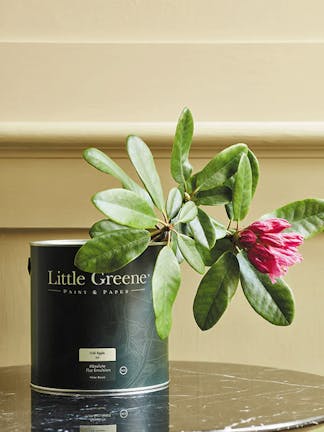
(123, 413)
(123, 370)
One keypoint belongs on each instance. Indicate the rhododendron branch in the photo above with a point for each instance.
(259, 254)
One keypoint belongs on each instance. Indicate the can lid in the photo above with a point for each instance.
(65, 242)
(74, 242)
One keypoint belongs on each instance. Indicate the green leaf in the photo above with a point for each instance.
(175, 247)
(216, 196)
(203, 229)
(143, 161)
(215, 291)
(190, 253)
(220, 230)
(103, 227)
(182, 229)
(191, 185)
(274, 302)
(210, 256)
(229, 206)
(255, 177)
(187, 213)
(254, 169)
(126, 208)
(220, 168)
(306, 216)
(103, 163)
(165, 285)
(174, 202)
(229, 211)
(111, 251)
(242, 190)
(180, 166)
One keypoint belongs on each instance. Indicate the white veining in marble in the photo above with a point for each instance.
(203, 397)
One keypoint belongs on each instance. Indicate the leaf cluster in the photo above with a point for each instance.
(139, 215)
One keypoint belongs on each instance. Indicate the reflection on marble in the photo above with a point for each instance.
(142, 413)
(202, 397)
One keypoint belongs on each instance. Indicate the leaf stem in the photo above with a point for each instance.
(165, 217)
(155, 232)
(160, 233)
(164, 223)
(195, 191)
(238, 249)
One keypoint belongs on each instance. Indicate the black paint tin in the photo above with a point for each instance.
(93, 333)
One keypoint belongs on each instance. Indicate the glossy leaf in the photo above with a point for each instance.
(103, 163)
(220, 229)
(111, 251)
(306, 216)
(216, 196)
(126, 208)
(180, 166)
(203, 230)
(103, 227)
(229, 211)
(242, 190)
(231, 181)
(175, 247)
(215, 291)
(188, 212)
(174, 203)
(274, 302)
(254, 163)
(190, 253)
(229, 206)
(220, 168)
(165, 285)
(210, 256)
(143, 161)
(191, 185)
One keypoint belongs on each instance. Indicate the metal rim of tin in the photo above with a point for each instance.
(74, 242)
(112, 392)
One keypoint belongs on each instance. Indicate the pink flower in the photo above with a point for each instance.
(269, 249)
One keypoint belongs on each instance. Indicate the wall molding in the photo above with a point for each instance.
(67, 139)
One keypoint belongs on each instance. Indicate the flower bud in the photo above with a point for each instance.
(269, 249)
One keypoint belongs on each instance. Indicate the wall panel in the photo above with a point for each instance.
(161, 20)
(149, 82)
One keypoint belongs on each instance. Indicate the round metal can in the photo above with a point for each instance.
(93, 332)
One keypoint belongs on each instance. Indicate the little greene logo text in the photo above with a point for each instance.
(73, 279)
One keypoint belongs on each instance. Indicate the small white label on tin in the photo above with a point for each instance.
(97, 355)
(103, 428)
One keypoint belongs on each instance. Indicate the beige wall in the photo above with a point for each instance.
(161, 20)
(115, 68)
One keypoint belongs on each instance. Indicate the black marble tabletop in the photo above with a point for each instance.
(201, 397)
